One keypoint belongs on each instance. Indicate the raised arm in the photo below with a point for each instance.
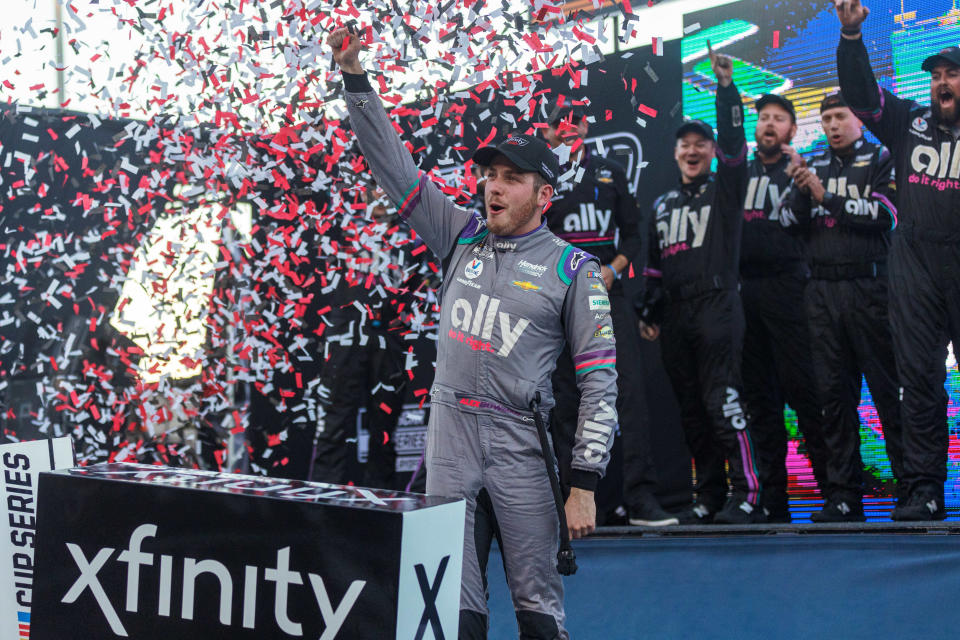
(435, 219)
(883, 113)
(731, 140)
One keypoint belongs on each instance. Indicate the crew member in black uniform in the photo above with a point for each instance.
(599, 214)
(777, 367)
(924, 252)
(695, 248)
(379, 295)
(844, 204)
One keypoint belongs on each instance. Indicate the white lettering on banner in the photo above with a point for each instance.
(942, 164)
(589, 218)
(681, 220)
(484, 317)
(732, 409)
(135, 557)
(597, 434)
(20, 466)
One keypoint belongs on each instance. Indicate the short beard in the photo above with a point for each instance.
(509, 226)
(770, 150)
(942, 117)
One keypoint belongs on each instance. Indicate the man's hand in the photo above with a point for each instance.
(345, 46)
(809, 183)
(797, 163)
(649, 331)
(581, 513)
(851, 14)
(722, 66)
(609, 277)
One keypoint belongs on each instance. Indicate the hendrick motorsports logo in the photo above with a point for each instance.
(167, 570)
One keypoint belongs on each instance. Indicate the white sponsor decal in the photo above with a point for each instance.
(468, 283)
(589, 218)
(920, 124)
(597, 434)
(598, 303)
(674, 230)
(480, 321)
(941, 163)
(758, 190)
(474, 268)
(733, 410)
(535, 270)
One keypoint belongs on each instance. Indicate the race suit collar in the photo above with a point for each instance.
(781, 162)
(695, 184)
(512, 243)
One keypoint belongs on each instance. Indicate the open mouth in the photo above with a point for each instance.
(945, 96)
(496, 209)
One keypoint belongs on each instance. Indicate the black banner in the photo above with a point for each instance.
(150, 552)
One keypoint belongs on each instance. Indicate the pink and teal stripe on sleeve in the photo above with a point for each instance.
(411, 198)
(593, 360)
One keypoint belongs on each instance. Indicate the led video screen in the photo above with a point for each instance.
(789, 48)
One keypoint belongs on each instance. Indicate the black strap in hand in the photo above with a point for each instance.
(566, 558)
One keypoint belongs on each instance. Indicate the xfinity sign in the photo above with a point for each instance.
(134, 557)
(123, 557)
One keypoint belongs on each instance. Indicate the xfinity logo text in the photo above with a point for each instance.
(161, 570)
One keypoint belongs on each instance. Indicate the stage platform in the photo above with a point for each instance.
(773, 582)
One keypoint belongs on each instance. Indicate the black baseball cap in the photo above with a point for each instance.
(696, 126)
(529, 153)
(557, 111)
(950, 55)
(772, 98)
(832, 101)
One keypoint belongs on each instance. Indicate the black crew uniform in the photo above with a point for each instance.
(599, 214)
(848, 237)
(777, 367)
(924, 266)
(378, 289)
(695, 247)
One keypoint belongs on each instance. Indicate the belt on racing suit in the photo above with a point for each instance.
(698, 287)
(848, 271)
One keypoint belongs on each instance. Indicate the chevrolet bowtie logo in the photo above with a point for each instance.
(525, 285)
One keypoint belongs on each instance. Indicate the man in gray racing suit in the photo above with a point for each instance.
(513, 294)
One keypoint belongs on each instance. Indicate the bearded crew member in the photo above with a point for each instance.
(692, 290)
(777, 367)
(501, 330)
(924, 261)
(844, 206)
(600, 215)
